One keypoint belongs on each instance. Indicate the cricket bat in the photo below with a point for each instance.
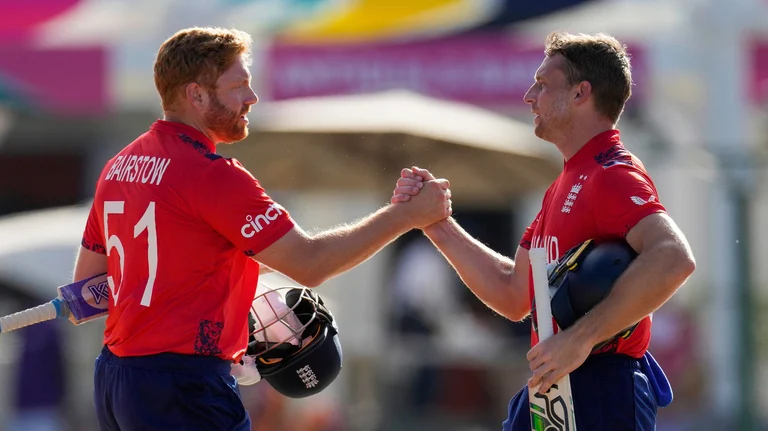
(79, 302)
(552, 411)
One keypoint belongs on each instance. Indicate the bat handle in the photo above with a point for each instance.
(538, 259)
(48, 311)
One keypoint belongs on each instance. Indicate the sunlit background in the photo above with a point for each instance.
(351, 91)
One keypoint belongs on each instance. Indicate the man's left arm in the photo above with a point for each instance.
(631, 208)
(663, 264)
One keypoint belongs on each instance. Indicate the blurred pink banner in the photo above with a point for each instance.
(18, 18)
(759, 82)
(68, 81)
(483, 69)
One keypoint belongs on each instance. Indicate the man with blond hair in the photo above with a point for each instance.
(603, 193)
(181, 233)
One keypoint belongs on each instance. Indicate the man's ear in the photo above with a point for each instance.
(583, 92)
(196, 95)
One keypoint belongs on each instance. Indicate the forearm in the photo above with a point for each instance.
(342, 248)
(646, 285)
(88, 263)
(263, 269)
(488, 274)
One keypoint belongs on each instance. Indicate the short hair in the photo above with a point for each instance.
(197, 55)
(599, 59)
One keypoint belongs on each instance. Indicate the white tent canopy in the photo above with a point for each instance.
(402, 112)
(360, 142)
(38, 248)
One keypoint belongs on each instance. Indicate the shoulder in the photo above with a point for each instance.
(620, 178)
(228, 175)
(615, 155)
(177, 143)
(196, 157)
(624, 187)
(229, 167)
(617, 162)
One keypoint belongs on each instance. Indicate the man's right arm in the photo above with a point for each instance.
(313, 259)
(91, 256)
(499, 282)
(228, 195)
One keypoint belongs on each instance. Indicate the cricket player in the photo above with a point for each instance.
(182, 231)
(603, 192)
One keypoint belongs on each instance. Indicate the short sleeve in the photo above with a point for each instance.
(233, 202)
(527, 239)
(93, 238)
(625, 196)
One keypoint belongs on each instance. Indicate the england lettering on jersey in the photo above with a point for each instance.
(138, 169)
(550, 244)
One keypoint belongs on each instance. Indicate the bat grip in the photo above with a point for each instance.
(41, 313)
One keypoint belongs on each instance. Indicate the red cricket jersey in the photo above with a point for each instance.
(602, 193)
(179, 223)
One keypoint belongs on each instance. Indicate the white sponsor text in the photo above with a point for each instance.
(256, 224)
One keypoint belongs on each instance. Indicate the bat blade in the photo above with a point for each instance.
(86, 299)
(552, 411)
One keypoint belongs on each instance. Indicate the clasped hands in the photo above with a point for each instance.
(426, 198)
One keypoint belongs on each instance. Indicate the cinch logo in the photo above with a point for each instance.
(256, 224)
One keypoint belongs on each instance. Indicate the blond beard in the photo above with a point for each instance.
(224, 122)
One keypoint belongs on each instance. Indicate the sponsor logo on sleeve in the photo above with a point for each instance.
(255, 224)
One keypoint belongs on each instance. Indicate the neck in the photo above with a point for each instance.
(178, 117)
(575, 139)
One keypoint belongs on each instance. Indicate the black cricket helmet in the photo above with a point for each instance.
(585, 275)
(294, 341)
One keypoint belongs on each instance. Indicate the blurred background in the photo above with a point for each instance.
(352, 91)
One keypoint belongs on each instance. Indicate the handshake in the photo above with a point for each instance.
(423, 199)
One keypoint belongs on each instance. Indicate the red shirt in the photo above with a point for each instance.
(602, 193)
(179, 223)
